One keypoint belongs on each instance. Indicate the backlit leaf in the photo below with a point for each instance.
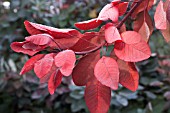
(160, 16)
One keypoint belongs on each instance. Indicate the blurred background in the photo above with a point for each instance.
(24, 94)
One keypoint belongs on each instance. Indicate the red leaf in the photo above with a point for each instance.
(111, 33)
(39, 39)
(166, 32)
(106, 71)
(84, 70)
(129, 76)
(144, 25)
(145, 32)
(109, 12)
(131, 37)
(34, 29)
(132, 52)
(88, 41)
(87, 25)
(160, 16)
(65, 60)
(54, 81)
(122, 7)
(18, 47)
(97, 97)
(43, 66)
(29, 65)
(142, 6)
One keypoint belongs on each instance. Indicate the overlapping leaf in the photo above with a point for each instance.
(54, 81)
(19, 47)
(111, 33)
(84, 70)
(89, 24)
(65, 61)
(29, 65)
(39, 39)
(132, 48)
(34, 29)
(43, 66)
(129, 76)
(109, 12)
(106, 71)
(97, 96)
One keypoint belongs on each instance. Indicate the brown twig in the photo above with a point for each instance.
(118, 26)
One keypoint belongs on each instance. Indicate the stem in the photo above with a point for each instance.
(118, 27)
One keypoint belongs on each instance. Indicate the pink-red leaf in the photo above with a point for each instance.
(29, 65)
(111, 33)
(43, 66)
(166, 32)
(18, 47)
(87, 25)
(97, 96)
(129, 76)
(65, 60)
(160, 16)
(54, 81)
(84, 70)
(39, 39)
(131, 37)
(106, 71)
(109, 12)
(34, 29)
(132, 52)
(122, 7)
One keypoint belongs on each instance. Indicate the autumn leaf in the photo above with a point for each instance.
(29, 65)
(84, 70)
(54, 81)
(129, 76)
(160, 16)
(106, 71)
(65, 61)
(109, 12)
(43, 66)
(89, 24)
(39, 39)
(97, 96)
(111, 33)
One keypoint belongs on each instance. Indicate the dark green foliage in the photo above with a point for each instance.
(25, 95)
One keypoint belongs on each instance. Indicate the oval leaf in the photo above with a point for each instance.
(106, 71)
(43, 66)
(97, 97)
(65, 60)
(131, 37)
(84, 70)
(111, 33)
(132, 52)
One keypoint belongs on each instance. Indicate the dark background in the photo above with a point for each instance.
(24, 94)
